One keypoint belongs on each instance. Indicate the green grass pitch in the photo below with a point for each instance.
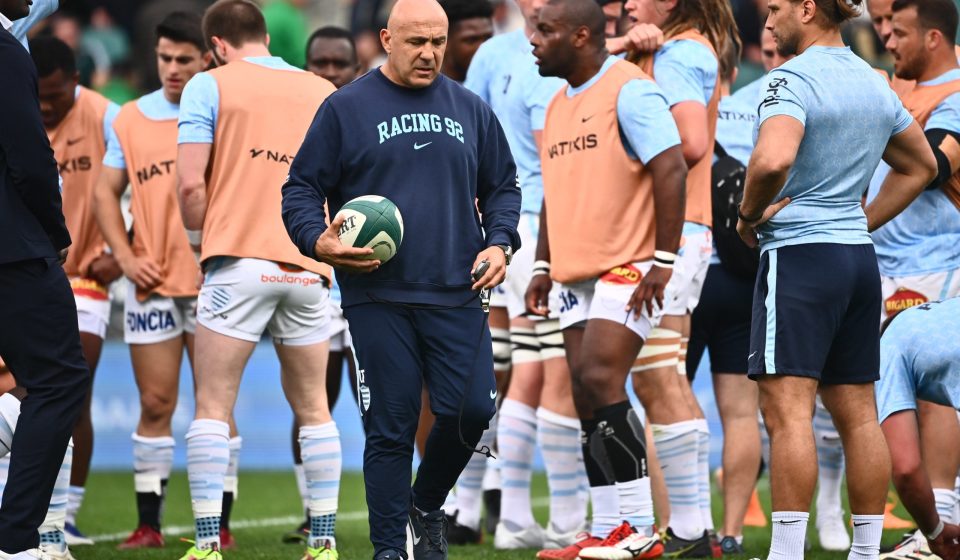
(267, 507)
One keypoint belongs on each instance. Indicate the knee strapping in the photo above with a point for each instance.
(550, 338)
(501, 349)
(661, 350)
(682, 356)
(526, 346)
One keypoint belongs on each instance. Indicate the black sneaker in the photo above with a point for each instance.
(391, 554)
(675, 547)
(298, 535)
(429, 534)
(491, 501)
(458, 534)
(729, 545)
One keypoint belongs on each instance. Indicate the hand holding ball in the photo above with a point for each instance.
(371, 222)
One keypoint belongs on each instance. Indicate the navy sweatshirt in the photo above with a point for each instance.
(439, 154)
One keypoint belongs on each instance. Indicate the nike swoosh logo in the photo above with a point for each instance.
(789, 522)
(413, 533)
(585, 119)
(493, 395)
(419, 146)
(74, 141)
(861, 524)
(750, 357)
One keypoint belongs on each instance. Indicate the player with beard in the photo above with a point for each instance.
(826, 120)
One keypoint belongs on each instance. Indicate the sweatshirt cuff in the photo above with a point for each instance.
(311, 236)
(500, 238)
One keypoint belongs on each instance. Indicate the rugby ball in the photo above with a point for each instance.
(372, 222)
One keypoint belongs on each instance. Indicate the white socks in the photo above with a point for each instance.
(152, 463)
(516, 439)
(208, 459)
(946, 499)
(606, 509)
(322, 464)
(677, 448)
(559, 440)
(469, 497)
(636, 503)
(301, 485)
(74, 502)
(789, 532)
(51, 530)
(703, 472)
(867, 530)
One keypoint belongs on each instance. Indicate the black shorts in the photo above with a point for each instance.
(721, 323)
(816, 313)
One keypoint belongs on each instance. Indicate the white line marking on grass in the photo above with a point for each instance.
(180, 530)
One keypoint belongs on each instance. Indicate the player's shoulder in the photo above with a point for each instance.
(688, 51)
(96, 102)
(502, 43)
(737, 105)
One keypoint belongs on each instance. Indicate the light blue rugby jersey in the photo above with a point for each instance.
(752, 93)
(686, 71)
(506, 76)
(200, 102)
(920, 358)
(39, 10)
(924, 238)
(849, 113)
(735, 123)
(154, 106)
(647, 127)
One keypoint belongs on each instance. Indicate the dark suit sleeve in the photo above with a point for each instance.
(24, 144)
(498, 194)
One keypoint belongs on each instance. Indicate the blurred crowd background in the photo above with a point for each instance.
(114, 38)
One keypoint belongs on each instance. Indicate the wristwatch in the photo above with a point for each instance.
(507, 252)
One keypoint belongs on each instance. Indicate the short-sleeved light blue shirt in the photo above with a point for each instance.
(38, 11)
(647, 127)
(920, 358)
(154, 106)
(686, 71)
(849, 114)
(506, 76)
(924, 238)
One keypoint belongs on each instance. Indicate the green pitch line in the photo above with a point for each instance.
(268, 506)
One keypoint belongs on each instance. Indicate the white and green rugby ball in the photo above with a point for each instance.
(372, 222)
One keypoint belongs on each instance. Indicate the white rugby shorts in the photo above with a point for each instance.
(606, 297)
(520, 271)
(243, 297)
(340, 339)
(158, 318)
(93, 306)
(690, 270)
(909, 291)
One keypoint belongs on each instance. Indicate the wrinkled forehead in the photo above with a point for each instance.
(427, 28)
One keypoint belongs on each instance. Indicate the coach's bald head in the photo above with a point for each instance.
(570, 36)
(415, 40)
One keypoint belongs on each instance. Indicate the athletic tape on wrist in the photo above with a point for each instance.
(936, 532)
